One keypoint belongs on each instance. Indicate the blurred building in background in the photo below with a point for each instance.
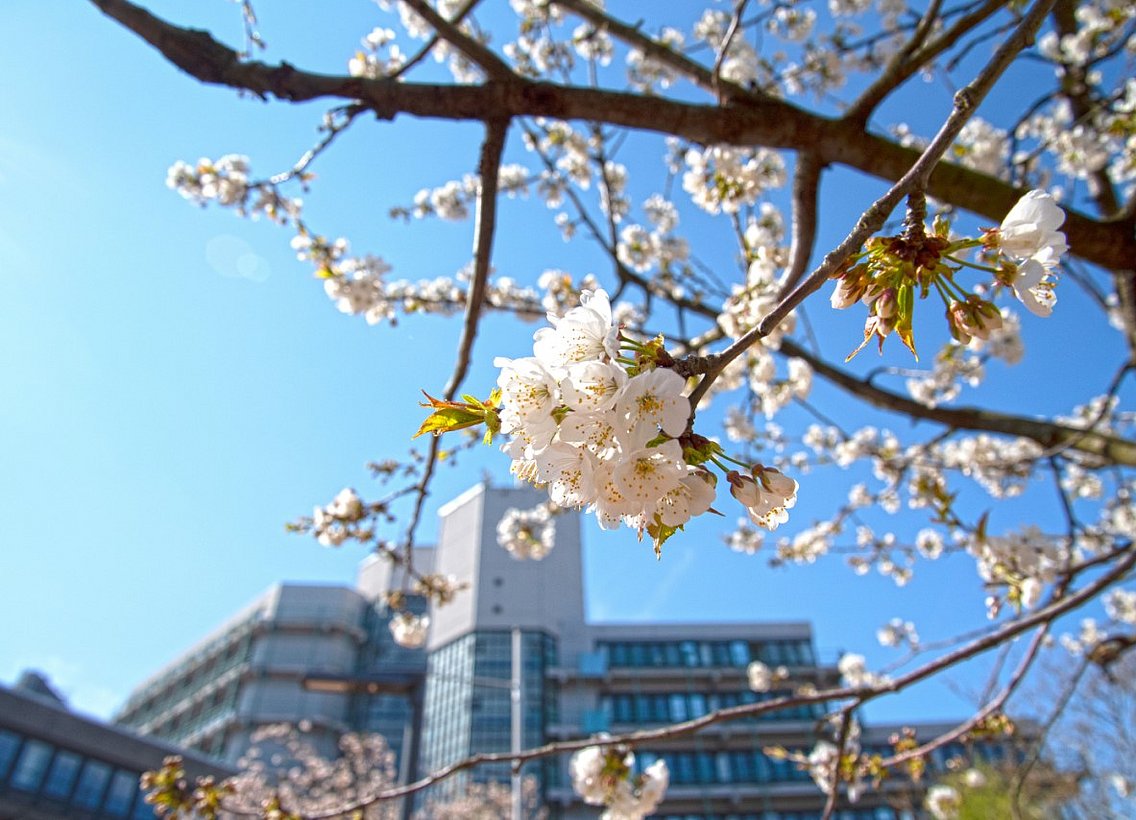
(324, 656)
(58, 765)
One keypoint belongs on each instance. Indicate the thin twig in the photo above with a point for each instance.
(748, 120)
(496, 68)
(806, 191)
(492, 149)
(1006, 632)
(424, 52)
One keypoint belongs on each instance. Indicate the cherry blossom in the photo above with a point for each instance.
(409, 630)
(943, 802)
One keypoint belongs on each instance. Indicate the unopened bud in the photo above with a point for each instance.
(887, 304)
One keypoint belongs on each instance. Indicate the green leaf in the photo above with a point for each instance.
(904, 314)
(449, 419)
(659, 533)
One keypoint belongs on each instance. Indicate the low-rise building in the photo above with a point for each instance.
(59, 765)
(324, 655)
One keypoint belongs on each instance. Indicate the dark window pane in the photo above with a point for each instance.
(61, 778)
(705, 765)
(31, 766)
(123, 787)
(92, 783)
(9, 744)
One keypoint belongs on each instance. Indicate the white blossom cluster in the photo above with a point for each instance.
(647, 74)
(409, 630)
(226, 181)
(898, 632)
(527, 533)
(335, 523)
(823, 764)
(643, 249)
(601, 439)
(460, 66)
(1000, 466)
(724, 178)
(761, 676)
(1025, 560)
(1120, 605)
(943, 802)
(982, 147)
(739, 61)
(590, 433)
(603, 777)
(380, 56)
(1029, 236)
(282, 763)
(855, 673)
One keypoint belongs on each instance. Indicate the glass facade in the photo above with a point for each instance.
(693, 654)
(468, 705)
(706, 768)
(38, 774)
(388, 713)
(880, 813)
(672, 707)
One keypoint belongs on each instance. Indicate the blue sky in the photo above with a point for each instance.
(178, 387)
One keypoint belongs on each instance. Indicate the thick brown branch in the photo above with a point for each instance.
(913, 181)
(915, 55)
(489, 62)
(747, 121)
(806, 188)
(997, 637)
(1049, 435)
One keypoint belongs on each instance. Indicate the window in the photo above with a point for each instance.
(722, 763)
(9, 745)
(705, 766)
(123, 787)
(61, 778)
(739, 653)
(31, 766)
(697, 705)
(92, 782)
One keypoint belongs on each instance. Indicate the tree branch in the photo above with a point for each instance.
(806, 188)
(914, 179)
(999, 636)
(1049, 435)
(745, 121)
(914, 55)
(489, 62)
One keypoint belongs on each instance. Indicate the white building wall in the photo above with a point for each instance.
(503, 591)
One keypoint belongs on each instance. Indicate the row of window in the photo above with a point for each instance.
(164, 695)
(705, 768)
(879, 813)
(696, 654)
(44, 772)
(223, 701)
(670, 707)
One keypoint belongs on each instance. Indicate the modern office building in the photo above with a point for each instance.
(266, 665)
(58, 765)
(324, 655)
